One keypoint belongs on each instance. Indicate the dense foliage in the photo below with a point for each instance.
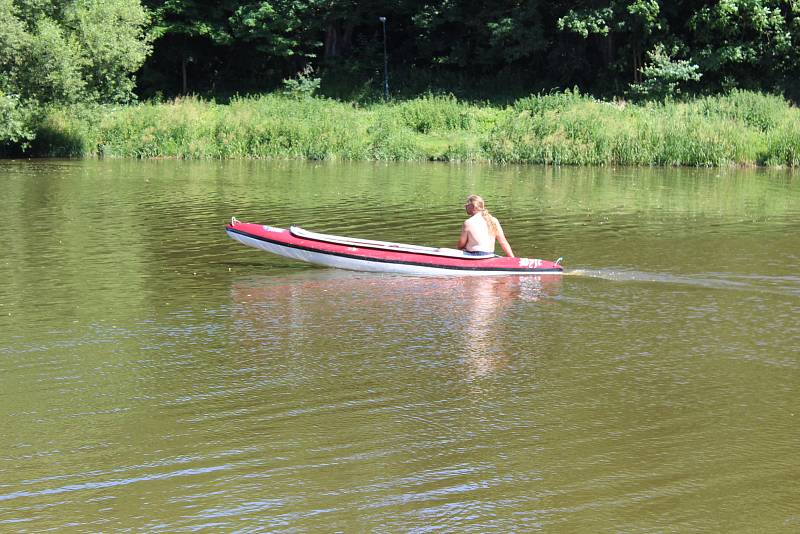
(500, 49)
(63, 52)
(66, 51)
(75, 51)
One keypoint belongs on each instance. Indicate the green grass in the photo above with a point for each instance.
(741, 128)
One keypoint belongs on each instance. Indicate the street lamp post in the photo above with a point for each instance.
(385, 62)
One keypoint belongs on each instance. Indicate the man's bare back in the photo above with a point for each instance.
(476, 234)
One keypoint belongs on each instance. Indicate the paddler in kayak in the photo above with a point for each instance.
(479, 232)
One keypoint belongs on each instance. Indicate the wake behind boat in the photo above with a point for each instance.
(379, 256)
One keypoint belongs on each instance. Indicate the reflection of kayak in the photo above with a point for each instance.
(379, 256)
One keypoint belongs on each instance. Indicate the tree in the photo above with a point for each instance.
(481, 36)
(242, 42)
(629, 27)
(751, 44)
(15, 123)
(111, 35)
(64, 52)
(663, 76)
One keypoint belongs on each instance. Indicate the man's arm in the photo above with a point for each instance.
(462, 241)
(501, 238)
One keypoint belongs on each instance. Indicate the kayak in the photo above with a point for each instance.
(379, 256)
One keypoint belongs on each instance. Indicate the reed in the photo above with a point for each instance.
(741, 128)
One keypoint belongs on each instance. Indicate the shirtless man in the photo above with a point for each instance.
(480, 230)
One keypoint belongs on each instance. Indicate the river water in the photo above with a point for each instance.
(155, 375)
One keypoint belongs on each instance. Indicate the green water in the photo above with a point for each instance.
(155, 375)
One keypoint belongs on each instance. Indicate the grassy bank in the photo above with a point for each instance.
(741, 128)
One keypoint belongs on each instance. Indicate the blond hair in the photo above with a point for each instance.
(480, 206)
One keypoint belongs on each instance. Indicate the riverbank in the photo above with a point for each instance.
(739, 129)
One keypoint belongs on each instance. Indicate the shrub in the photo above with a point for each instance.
(750, 108)
(16, 130)
(783, 144)
(663, 77)
(555, 102)
(303, 85)
(435, 113)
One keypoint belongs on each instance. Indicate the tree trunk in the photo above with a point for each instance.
(347, 39)
(338, 40)
(332, 40)
(609, 49)
(183, 75)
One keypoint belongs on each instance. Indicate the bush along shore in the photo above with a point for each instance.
(738, 129)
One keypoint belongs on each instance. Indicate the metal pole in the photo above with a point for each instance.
(385, 62)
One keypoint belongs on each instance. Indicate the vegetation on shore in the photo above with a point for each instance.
(696, 78)
(566, 128)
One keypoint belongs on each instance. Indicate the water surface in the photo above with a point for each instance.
(156, 375)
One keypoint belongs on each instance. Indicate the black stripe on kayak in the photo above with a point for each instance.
(381, 260)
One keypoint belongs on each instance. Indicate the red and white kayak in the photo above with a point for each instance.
(380, 256)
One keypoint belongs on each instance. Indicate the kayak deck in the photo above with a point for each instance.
(385, 245)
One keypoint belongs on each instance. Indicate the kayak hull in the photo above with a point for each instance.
(380, 258)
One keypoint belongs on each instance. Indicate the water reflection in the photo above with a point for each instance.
(467, 315)
(488, 301)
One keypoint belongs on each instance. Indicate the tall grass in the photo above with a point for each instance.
(268, 127)
(741, 128)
